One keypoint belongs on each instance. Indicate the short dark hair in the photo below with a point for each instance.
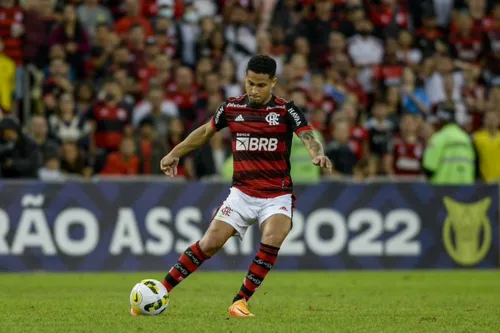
(262, 64)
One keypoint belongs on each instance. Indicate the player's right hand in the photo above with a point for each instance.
(168, 165)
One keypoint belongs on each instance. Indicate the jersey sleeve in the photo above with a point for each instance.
(219, 120)
(297, 119)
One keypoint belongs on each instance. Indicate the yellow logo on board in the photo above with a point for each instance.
(467, 231)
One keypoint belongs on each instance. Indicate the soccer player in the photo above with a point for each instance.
(262, 126)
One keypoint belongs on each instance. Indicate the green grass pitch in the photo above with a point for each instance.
(360, 302)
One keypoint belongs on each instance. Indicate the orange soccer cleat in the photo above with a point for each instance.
(240, 309)
(133, 313)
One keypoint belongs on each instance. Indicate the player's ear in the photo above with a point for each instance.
(273, 82)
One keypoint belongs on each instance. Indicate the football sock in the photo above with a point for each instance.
(188, 262)
(262, 263)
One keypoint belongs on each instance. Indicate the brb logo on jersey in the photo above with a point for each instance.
(256, 144)
(272, 119)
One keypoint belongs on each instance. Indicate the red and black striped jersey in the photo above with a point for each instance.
(261, 143)
(10, 19)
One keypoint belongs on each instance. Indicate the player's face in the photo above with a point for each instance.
(258, 87)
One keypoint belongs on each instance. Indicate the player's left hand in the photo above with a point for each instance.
(169, 165)
(323, 162)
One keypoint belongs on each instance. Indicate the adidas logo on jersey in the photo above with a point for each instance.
(239, 118)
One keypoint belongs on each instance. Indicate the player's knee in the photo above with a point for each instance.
(275, 237)
(211, 243)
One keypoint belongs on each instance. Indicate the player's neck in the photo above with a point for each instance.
(260, 105)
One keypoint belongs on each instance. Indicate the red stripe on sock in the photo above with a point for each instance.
(167, 285)
(186, 262)
(242, 294)
(270, 258)
(250, 285)
(199, 253)
(174, 272)
(259, 270)
(268, 248)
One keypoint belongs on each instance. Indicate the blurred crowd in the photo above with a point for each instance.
(112, 85)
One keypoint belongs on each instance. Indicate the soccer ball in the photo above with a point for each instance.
(149, 297)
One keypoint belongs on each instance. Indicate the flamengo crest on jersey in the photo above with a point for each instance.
(272, 118)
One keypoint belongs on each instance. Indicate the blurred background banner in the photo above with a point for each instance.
(141, 225)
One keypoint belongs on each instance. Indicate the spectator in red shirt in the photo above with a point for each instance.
(132, 17)
(150, 148)
(150, 54)
(121, 59)
(159, 74)
(35, 35)
(12, 29)
(342, 75)
(478, 10)
(467, 42)
(153, 8)
(317, 99)
(428, 34)
(211, 87)
(167, 35)
(389, 17)
(184, 94)
(391, 71)
(136, 42)
(358, 133)
(405, 149)
(123, 162)
(109, 119)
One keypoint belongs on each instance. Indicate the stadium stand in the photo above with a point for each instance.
(106, 87)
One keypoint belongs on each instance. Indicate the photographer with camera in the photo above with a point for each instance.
(19, 157)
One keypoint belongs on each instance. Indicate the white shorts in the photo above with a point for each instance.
(241, 210)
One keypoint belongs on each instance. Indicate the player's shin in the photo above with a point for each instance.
(262, 263)
(188, 262)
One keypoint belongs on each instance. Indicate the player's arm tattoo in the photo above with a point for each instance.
(312, 144)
